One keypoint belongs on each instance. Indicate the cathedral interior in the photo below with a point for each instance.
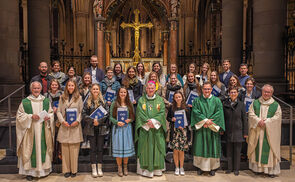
(259, 33)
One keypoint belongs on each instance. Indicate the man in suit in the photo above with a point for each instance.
(96, 73)
(44, 78)
(225, 76)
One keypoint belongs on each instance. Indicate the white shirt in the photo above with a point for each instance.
(93, 75)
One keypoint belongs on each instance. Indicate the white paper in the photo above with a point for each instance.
(131, 95)
(42, 115)
(217, 89)
(110, 90)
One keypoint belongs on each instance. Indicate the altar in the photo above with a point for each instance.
(148, 63)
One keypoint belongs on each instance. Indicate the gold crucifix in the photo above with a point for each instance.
(136, 25)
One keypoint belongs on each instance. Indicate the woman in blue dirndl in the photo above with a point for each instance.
(122, 140)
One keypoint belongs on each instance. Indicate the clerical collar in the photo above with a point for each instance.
(208, 97)
(154, 96)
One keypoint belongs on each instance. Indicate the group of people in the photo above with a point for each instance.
(144, 115)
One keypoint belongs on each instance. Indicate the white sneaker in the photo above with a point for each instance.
(182, 173)
(88, 144)
(176, 171)
(83, 146)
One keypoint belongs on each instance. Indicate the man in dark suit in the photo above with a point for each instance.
(43, 77)
(225, 76)
(96, 73)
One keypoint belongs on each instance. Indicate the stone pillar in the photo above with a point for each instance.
(100, 41)
(269, 19)
(9, 47)
(165, 47)
(232, 32)
(39, 34)
(108, 48)
(173, 40)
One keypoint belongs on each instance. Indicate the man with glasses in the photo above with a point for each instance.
(265, 119)
(207, 121)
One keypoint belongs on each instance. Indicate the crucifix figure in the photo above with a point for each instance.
(136, 25)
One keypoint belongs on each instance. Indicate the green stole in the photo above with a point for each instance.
(28, 109)
(265, 146)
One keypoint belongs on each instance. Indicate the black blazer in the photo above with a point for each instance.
(226, 80)
(236, 124)
(99, 73)
(255, 94)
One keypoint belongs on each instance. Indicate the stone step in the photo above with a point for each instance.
(8, 165)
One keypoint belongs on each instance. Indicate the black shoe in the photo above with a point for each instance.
(271, 175)
(228, 171)
(237, 173)
(73, 175)
(66, 175)
(29, 178)
(200, 172)
(212, 173)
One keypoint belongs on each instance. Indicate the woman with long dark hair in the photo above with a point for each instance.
(157, 67)
(179, 140)
(122, 139)
(140, 72)
(53, 95)
(118, 72)
(133, 84)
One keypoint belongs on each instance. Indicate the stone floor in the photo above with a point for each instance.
(245, 176)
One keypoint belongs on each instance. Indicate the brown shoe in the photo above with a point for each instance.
(125, 170)
(120, 173)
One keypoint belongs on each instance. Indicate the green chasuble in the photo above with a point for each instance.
(207, 142)
(150, 144)
(28, 109)
(265, 146)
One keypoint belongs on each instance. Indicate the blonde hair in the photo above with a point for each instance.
(76, 94)
(90, 98)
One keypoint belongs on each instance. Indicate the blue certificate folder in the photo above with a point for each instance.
(179, 120)
(122, 114)
(55, 104)
(110, 95)
(99, 113)
(71, 115)
(191, 97)
(170, 98)
(216, 91)
(248, 102)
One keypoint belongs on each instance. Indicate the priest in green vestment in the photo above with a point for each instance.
(265, 119)
(207, 121)
(35, 134)
(150, 129)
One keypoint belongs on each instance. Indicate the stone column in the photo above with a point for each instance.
(232, 32)
(165, 47)
(39, 34)
(9, 38)
(100, 41)
(269, 19)
(173, 40)
(108, 48)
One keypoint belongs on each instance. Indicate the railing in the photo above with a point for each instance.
(290, 122)
(8, 98)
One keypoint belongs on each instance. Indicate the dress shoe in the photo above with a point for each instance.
(29, 178)
(66, 175)
(212, 173)
(73, 175)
